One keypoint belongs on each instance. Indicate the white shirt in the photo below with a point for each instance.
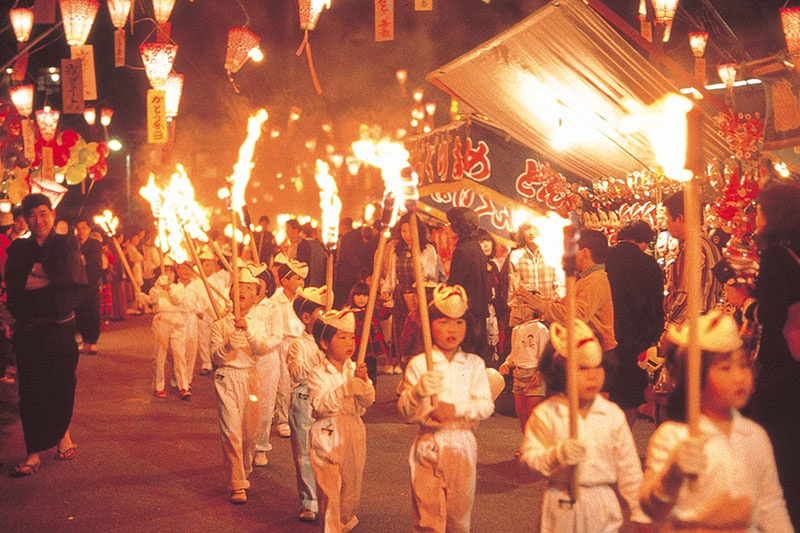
(611, 455)
(738, 465)
(192, 302)
(166, 300)
(245, 357)
(302, 356)
(528, 340)
(465, 384)
(330, 393)
(288, 324)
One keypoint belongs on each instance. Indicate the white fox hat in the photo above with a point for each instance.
(587, 348)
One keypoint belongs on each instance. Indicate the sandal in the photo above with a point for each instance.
(66, 455)
(25, 469)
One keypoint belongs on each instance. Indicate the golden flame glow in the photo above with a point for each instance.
(664, 124)
(391, 158)
(550, 239)
(244, 166)
(108, 222)
(330, 204)
(241, 237)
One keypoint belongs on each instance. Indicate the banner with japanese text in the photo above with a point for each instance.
(469, 164)
(384, 20)
(157, 131)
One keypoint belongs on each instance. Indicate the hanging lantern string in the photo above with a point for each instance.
(305, 44)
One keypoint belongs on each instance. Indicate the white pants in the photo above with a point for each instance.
(169, 335)
(300, 422)
(283, 397)
(192, 343)
(338, 450)
(204, 340)
(268, 373)
(443, 466)
(596, 511)
(239, 411)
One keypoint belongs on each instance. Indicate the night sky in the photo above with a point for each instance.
(357, 75)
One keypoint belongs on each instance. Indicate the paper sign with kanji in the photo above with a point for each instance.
(119, 47)
(71, 86)
(157, 131)
(85, 53)
(384, 20)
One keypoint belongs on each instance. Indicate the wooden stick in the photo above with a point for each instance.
(373, 297)
(220, 256)
(422, 300)
(199, 270)
(136, 287)
(237, 312)
(692, 269)
(572, 379)
(329, 255)
(253, 247)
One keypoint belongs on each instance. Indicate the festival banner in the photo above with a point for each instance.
(470, 164)
(423, 5)
(85, 53)
(782, 120)
(384, 20)
(157, 131)
(48, 166)
(119, 47)
(28, 139)
(71, 86)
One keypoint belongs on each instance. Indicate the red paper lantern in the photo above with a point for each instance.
(665, 10)
(310, 11)
(727, 73)
(240, 42)
(22, 22)
(90, 115)
(698, 41)
(173, 90)
(105, 116)
(158, 59)
(47, 119)
(163, 9)
(22, 97)
(790, 18)
(78, 18)
(119, 10)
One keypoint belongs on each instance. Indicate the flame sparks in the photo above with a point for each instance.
(108, 222)
(330, 204)
(241, 237)
(244, 166)
(664, 124)
(400, 191)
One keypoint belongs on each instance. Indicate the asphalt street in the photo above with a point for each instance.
(146, 464)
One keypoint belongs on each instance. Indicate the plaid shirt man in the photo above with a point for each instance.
(710, 287)
(377, 344)
(527, 270)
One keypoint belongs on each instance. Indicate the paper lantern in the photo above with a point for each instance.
(89, 115)
(664, 9)
(430, 108)
(158, 59)
(698, 41)
(163, 9)
(22, 96)
(22, 22)
(173, 90)
(119, 10)
(310, 11)
(78, 18)
(240, 42)
(105, 116)
(727, 73)
(47, 119)
(402, 75)
(417, 95)
(790, 18)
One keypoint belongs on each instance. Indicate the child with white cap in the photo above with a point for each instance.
(236, 345)
(604, 452)
(216, 278)
(168, 329)
(444, 455)
(339, 393)
(192, 308)
(725, 478)
(301, 357)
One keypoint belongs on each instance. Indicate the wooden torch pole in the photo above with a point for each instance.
(136, 287)
(570, 270)
(373, 297)
(202, 274)
(423, 301)
(237, 313)
(329, 255)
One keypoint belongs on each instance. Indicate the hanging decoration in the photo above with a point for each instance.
(78, 16)
(22, 22)
(47, 119)
(85, 53)
(22, 97)
(158, 59)
(162, 10)
(384, 19)
(790, 19)
(644, 25)
(119, 10)
(173, 90)
(89, 115)
(727, 73)
(664, 11)
(105, 116)
(310, 11)
(240, 42)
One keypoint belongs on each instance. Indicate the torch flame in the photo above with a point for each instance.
(108, 222)
(244, 166)
(152, 194)
(550, 239)
(392, 159)
(330, 204)
(664, 124)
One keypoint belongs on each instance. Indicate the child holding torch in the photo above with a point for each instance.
(339, 392)
(604, 453)
(444, 455)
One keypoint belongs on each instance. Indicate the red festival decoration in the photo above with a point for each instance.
(158, 59)
(240, 42)
(22, 97)
(790, 18)
(78, 16)
(119, 10)
(47, 119)
(310, 11)
(172, 97)
(163, 9)
(22, 22)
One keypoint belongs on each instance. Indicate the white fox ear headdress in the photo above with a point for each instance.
(451, 300)
(317, 295)
(587, 348)
(343, 320)
(248, 273)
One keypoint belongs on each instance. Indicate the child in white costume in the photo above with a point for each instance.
(168, 329)
(301, 357)
(192, 308)
(444, 455)
(604, 452)
(339, 393)
(236, 344)
(724, 479)
(218, 279)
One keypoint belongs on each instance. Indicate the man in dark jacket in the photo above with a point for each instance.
(312, 252)
(468, 269)
(637, 292)
(87, 315)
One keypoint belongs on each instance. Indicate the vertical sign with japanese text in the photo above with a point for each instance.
(28, 139)
(85, 53)
(384, 20)
(20, 67)
(48, 167)
(119, 47)
(423, 5)
(157, 131)
(71, 86)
